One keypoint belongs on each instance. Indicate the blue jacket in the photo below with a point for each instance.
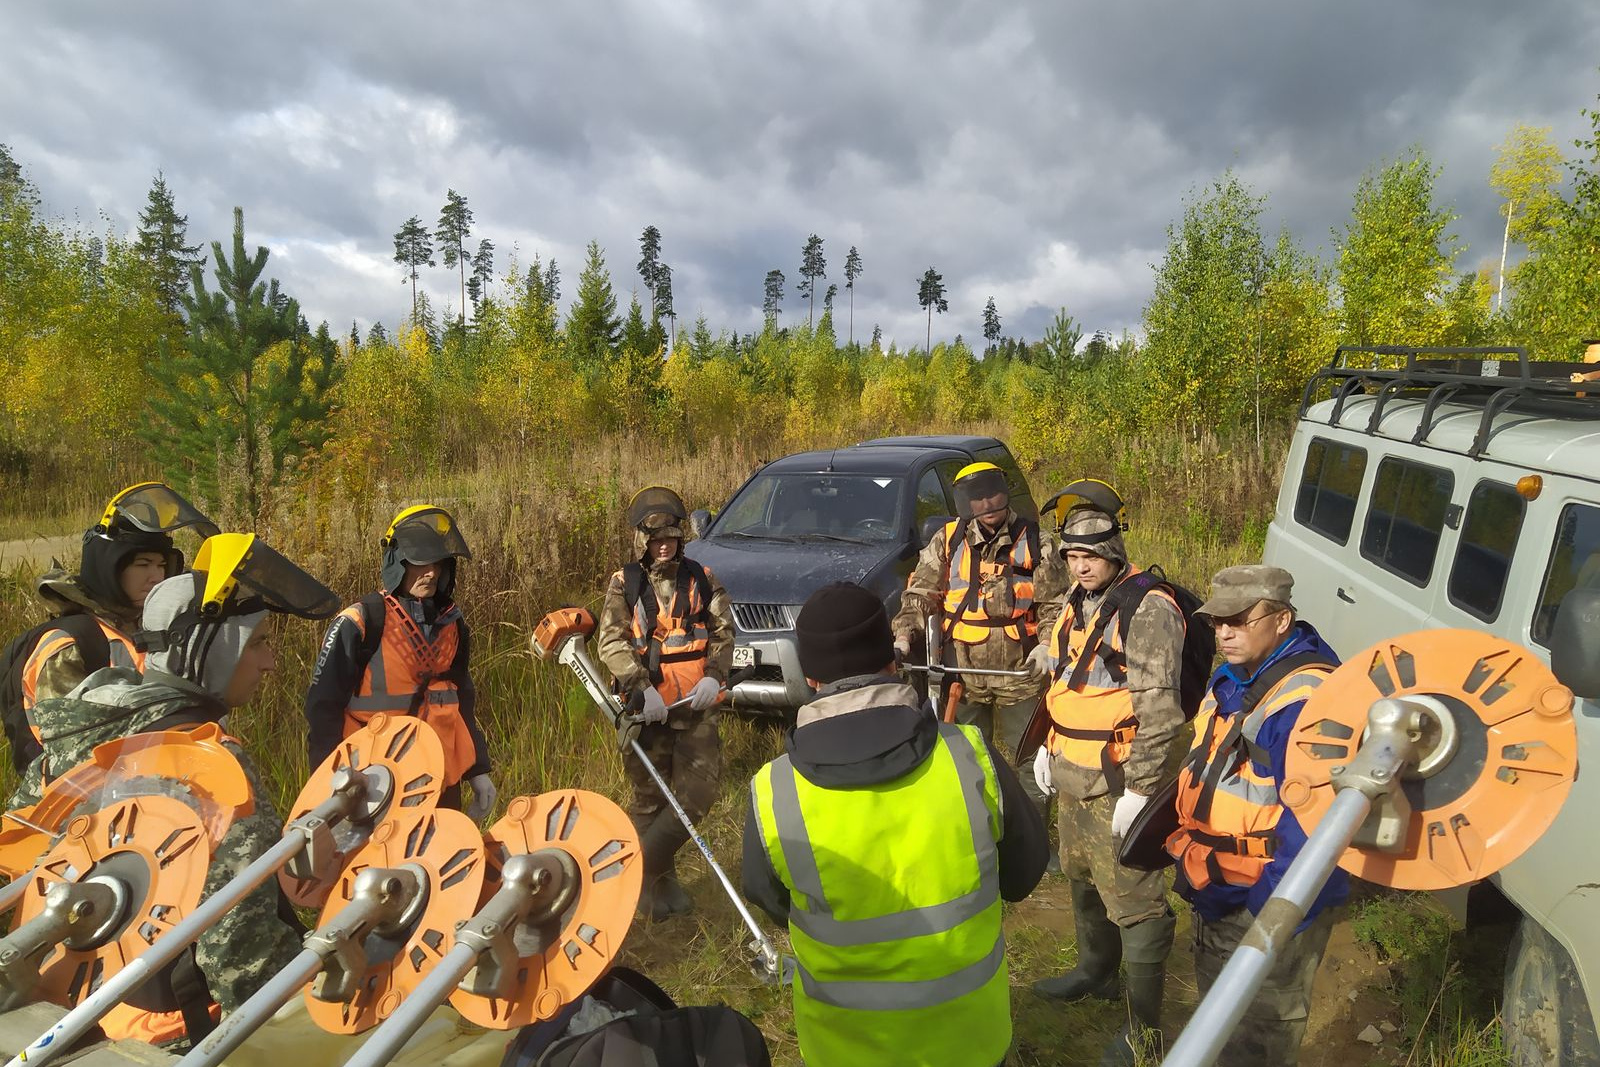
(1219, 899)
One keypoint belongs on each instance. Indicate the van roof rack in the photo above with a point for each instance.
(1470, 375)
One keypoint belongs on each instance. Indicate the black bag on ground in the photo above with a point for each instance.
(639, 1026)
(94, 649)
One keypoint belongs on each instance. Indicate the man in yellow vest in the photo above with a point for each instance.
(1235, 840)
(886, 840)
(405, 650)
(666, 636)
(995, 585)
(1115, 713)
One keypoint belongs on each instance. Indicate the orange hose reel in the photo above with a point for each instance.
(404, 759)
(1489, 781)
(600, 839)
(447, 847)
(157, 847)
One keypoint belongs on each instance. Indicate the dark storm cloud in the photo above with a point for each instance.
(1034, 152)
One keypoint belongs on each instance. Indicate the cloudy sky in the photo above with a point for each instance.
(1033, 152)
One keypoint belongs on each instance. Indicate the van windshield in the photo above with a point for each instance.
(857, 508)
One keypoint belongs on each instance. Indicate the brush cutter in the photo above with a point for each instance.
(357, 790)
(944, 701)
(1486, 753)
(561, 635)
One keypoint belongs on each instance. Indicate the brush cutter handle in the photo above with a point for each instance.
(739, 677)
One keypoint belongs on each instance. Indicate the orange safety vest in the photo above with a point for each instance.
(1227, 812)
(407, 676)
(1092, 721)
(122, 654)
(672, 644)
(964, 617)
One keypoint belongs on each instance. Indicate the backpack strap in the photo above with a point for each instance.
(94, 648)
(638, 593)
(1121, 601)
(947, 625)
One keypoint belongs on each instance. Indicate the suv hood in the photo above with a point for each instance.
(780, 572)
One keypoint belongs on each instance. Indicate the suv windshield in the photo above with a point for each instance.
(822, 507)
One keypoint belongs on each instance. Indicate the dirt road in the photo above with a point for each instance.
(36, 551)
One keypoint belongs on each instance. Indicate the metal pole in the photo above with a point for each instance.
(55, 1041)
(237, 1027)
(433, 990)
(770, 961)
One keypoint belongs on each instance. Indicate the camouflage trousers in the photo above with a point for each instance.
(690, 760)
(1274, 1024)
(1002, 722)
(1089, 854)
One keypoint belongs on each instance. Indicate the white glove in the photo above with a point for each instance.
(704, 694)
(1129, 805)
(655, 708)
(1041, 772)
(483, 797)
(1038, 663)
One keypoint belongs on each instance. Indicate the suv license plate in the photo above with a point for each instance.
(744, 657)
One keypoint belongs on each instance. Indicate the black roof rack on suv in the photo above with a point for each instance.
(1471, 375)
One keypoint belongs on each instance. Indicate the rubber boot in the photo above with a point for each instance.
(1099, 951)
(1145, 948)
(657, 846)
(669, 891)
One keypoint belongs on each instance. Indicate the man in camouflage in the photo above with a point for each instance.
(996, 538)
(666, 636)
(199, 671)
(1115, 714)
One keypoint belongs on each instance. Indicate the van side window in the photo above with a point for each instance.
(930, 497)
(1574, 563)
(1405, 517)
(1483, 557)
(1330, 484)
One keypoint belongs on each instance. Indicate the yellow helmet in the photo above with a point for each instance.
(981, 483)
(976, 468)
(153, 508)
(1088, 493)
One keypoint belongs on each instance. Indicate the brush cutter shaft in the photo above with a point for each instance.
(93, 1008)
(573, 655)
(989, 672)
(255, 1012)
(434, 989)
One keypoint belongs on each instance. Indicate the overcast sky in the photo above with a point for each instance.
(1033, 152)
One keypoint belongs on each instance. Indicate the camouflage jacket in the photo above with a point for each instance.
(1154, 654)
(924, 596)
(254, 939)
(615, 641)
(64, 670)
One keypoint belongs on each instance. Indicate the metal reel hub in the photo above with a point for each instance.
(443, 849)
(579, 854)
(401, 763)
(1495, 744)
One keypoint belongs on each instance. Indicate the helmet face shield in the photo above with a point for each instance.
(982, 492)
(239, 574)
(647, 507)
(1088, 493)
(424, 535)
(153, 508)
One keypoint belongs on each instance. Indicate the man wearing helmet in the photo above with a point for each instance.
(995, 587)
(405, 650)
(209, 648)
(666, 636)
(96, 611)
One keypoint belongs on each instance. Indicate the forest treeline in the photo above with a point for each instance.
(191, 360)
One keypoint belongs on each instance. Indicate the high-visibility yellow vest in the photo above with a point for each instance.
(895, 909)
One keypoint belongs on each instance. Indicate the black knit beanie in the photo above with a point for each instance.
(843, 631)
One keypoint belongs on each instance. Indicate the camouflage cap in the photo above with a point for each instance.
(1088, 529)
(1236, 590)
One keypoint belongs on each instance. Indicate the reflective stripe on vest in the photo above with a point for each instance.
(406, 673)
(122, 653)
(682, 633)
(1227, 811)
(1093, 726)
(974, 625)
(895, 909)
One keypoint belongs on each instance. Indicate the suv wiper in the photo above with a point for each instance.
(758, 537)
(830, 537)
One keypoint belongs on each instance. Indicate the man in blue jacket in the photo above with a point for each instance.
(1235, 839)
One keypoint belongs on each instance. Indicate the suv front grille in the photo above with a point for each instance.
(758, 618)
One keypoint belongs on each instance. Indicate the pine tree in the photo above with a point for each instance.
(852, 271)
(991, 326)
(413, 250)
(593, 327)
(772, 296)
(930, 294)
(812, 267)
(250, 388)
(663, 304)
(482, 271)
(650, 264)
(162, 232)
(455, 226)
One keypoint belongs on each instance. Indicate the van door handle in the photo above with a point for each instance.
(1346, 597)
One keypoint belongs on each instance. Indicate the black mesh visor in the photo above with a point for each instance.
(655, 500)
(428, 537)
(269, 582)
(980, 487)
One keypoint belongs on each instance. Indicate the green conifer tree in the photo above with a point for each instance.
(593, 329)
(162, 232)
